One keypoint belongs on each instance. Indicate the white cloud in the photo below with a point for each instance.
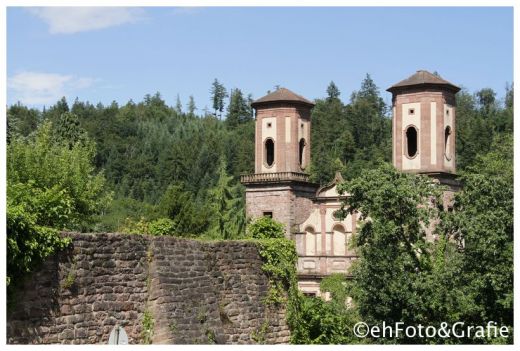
(68, 20)
(44, 88)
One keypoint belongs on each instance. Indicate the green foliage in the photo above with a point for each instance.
(328, 322)
(333, 91)
(68, 131)
(28, 243)
(70, 278)
(218, 94)
(50, 186)
(335, 284)
(349, 138)
(391, 243)
(191, 107)
(148, 324)
(480, 120)
(400, 276)
(279, 256)
(22, 120)
(162, 226)
(66, 188)
(311, 320)
(323, 322)
(180, 206)
(212, 338)
(483, 218)
(266, 228)
(258, 335)
(239, 109)
(131, 226)
(229, 219)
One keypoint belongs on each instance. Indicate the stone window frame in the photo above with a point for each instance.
(345, 234)
(309, 229)
(265, 153)
(405, 138)
(448, 134)
(301, 153)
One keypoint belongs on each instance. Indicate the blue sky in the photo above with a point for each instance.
(106, 54)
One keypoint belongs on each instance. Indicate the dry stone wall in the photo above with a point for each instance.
(195, 293)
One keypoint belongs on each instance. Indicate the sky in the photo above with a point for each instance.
(117, 54)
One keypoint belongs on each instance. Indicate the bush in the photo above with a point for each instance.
(266, 228)
(51, 186)
(162, 226)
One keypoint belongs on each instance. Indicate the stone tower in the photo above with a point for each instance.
(423, 127)
(280, 188)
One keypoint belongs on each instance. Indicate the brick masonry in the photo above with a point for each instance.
(197, 293)
(290, 203)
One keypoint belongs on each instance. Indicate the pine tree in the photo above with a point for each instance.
(191, 106)
(239, 110)
(333, 91)
(229, 218)
(178, 105)
(218, 94)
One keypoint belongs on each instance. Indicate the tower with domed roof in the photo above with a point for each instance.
(280, 187)
(424, 126)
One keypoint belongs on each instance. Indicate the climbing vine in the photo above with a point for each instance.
(280, 259)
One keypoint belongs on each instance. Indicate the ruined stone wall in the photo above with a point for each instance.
(196, 292)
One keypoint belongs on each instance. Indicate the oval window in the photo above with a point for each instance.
(447, 149)
(411, 141)
(269, 152)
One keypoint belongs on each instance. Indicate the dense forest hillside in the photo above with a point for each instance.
(170, 162)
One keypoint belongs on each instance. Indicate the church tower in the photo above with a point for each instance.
(280, 188)
(423, 126)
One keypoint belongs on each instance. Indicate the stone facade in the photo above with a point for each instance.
(323, 241)
(196, 293)
(288, 203)
(423, 141)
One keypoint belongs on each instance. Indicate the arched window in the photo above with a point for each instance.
(339, 239)
(302, 148)
(269, 152)
(447, 148)
(310, 241)
(411, 141)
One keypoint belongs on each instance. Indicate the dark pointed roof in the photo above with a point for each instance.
(423, 78)
(282, 95)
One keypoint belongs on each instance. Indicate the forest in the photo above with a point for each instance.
(149, 168)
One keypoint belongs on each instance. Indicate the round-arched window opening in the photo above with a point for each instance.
(411, 141)
(269, 152)
(301, 150)
(447, 148)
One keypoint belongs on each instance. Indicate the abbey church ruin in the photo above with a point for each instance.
(423, 142)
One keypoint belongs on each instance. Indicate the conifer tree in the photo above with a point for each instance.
(229, 221)
(239, 110)
(178, 105)
(191, 106)
(333, 91)
(218, 94)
